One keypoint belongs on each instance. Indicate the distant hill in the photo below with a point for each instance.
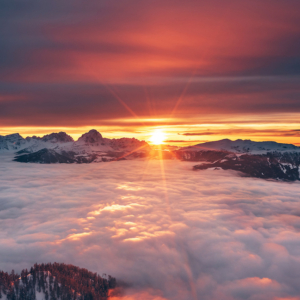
(244, 146)
(55, 282)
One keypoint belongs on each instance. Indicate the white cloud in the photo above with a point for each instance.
(179, 234)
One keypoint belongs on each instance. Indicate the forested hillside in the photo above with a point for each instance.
(55, 281)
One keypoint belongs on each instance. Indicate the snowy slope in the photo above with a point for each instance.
(15, 142)
(60, 147)
(12, 142)
(268, 160)
(88, 142)
(244, 146)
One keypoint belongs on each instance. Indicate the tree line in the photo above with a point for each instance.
(55, 281)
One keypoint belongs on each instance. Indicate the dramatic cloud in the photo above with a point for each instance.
(164, 230)
(77, 64)
(246, 132)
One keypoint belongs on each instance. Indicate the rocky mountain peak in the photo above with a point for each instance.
(91, 137)
(11, 141)
(12, 137)
(61, 137)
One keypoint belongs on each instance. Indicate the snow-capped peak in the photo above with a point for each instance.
(244, 146)
(11, 141)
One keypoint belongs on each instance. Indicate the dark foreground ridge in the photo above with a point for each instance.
(44, 156)
(50, 156)
(275, 165)
(55, 281)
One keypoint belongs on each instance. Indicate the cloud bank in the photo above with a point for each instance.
(163, 230)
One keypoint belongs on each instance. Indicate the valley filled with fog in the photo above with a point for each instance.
(163, 230)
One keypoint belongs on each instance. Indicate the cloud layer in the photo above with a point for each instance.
(164, 230)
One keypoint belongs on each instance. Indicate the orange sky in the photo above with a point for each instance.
(200, 71)
(280, 128)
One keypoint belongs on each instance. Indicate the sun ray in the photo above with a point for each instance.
(122, 102)
(146, 168)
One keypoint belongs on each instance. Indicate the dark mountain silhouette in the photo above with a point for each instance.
(45, 156)
(271, 165)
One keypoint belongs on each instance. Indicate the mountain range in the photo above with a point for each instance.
(61, 148)
(268, 160)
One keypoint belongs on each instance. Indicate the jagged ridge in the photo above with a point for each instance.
(61, 148)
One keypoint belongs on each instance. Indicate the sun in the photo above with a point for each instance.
(158, 136)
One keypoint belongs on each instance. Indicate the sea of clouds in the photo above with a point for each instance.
(165, 231)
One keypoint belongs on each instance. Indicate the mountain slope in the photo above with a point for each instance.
(268, 166)
(268, 160)
(45, 156)
(11, 142)
(55, 282)
(61, 148)
(244, 146)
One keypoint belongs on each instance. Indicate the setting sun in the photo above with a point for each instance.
(158, 136)
(154, 142)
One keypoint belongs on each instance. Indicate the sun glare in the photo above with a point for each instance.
(158, 136)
